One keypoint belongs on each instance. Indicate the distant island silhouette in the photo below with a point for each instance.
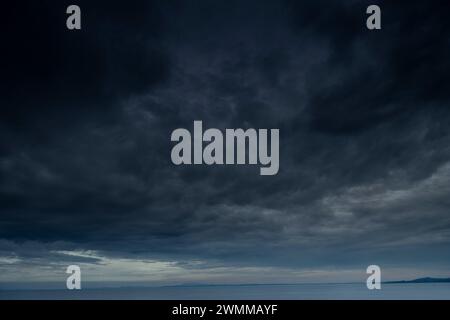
(422, 280)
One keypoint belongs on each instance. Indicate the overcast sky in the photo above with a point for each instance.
(86, 116)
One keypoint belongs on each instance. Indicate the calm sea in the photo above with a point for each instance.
(268, 292)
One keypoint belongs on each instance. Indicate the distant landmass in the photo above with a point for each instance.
(422, 280)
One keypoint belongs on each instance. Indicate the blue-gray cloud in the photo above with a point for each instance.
(363, 116)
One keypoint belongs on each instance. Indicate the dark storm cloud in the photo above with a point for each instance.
(52, 77)
(86, 119)
(373, 77)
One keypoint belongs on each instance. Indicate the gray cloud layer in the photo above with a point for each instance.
(363, 116)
